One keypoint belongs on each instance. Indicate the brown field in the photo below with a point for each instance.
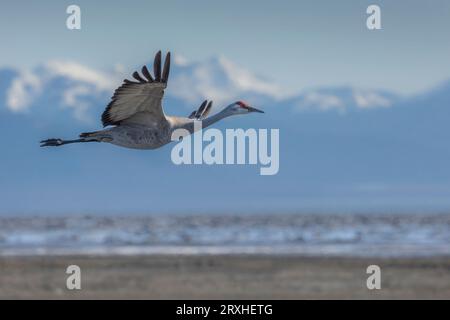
(222, 277)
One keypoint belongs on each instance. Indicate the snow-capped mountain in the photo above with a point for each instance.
(342, 99)
(83, 91)
(219, 79)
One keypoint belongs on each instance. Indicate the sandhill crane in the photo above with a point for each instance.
(135, 117)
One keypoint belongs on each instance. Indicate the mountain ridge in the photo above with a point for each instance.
(72, 85)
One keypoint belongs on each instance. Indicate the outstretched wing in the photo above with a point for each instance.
(139, 101)
(202, 111)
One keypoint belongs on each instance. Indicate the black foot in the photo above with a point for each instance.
(51, 143)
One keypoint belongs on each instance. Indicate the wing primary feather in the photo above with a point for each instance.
(207, 109)
(147, 74)
(138, 77)
(166, 69)
(129, 81)
(157, 66)
(192, 115)
(200, 109)
(143, 95)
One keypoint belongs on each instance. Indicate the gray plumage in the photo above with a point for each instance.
(135, 118)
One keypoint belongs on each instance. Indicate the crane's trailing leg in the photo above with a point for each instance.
(95, 136)
(60, 142)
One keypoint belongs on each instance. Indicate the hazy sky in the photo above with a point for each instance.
(298, 44)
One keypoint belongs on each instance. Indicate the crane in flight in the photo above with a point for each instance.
(135, 118)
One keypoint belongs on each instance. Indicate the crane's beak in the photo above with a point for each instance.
(251, 109)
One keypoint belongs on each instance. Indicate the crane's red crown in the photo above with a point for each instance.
(242, 104)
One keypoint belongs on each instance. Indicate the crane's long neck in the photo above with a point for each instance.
(190, 124)
(214, 118)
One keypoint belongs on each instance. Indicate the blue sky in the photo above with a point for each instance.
(298, 44)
